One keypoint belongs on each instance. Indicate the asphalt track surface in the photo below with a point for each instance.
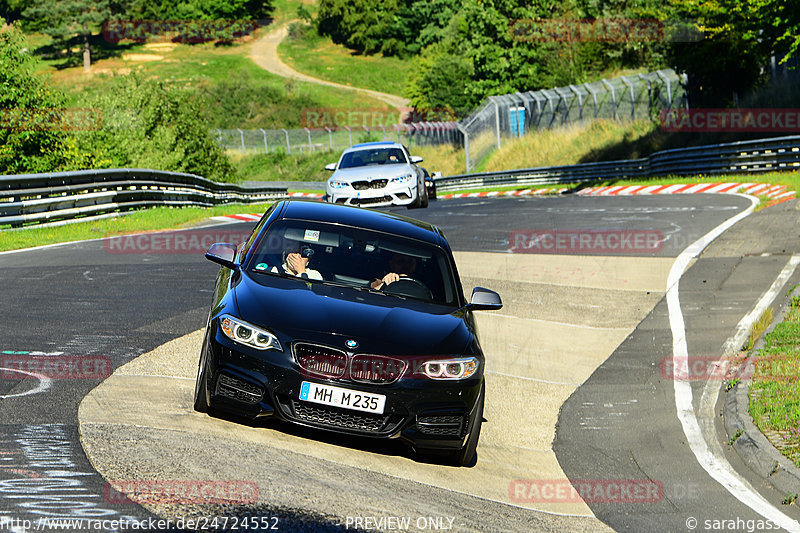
(86, 299)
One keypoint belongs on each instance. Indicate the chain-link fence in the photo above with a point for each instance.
(513, 115)
(499, 117)
(306, 140)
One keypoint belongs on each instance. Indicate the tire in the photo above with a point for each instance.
(466, 455)
(425, 199)
(417, 203)
(201, 389)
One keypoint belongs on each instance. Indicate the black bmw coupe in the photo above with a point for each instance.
(346, 320)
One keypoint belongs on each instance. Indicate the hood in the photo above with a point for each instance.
(373, 172)
(330, 315)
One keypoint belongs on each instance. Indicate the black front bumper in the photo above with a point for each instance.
(427, 414)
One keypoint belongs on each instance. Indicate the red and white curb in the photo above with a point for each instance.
(305, 195)
(775, 192)
(526, 192)
(237, 218)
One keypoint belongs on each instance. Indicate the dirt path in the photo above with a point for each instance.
(264, 53)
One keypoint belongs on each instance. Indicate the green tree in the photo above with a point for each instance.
(31, 136)
(66, 19)
(147, 124)
(196, 9)
(359, 24)
(11, 10)
(739, 38)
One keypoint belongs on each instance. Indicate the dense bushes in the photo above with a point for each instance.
(146, 124)
(468, 49)
(136, 123)
(31, 136)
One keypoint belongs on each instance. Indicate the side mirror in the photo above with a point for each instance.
(330, 166)
(224, 254)
(484, 299)
(416, 159)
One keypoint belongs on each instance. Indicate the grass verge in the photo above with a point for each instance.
(307, 52)
(158, 218)
(775, 390)
(247, 96)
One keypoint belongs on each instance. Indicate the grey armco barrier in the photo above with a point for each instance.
(40, 198)
(743, 157)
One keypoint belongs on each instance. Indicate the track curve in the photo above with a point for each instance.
(564, 315)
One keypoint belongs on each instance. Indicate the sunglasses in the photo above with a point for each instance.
(304, 251)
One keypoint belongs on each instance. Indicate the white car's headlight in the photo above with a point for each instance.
(338, 184)
(249, 335)
(405, 178)
(452, 369)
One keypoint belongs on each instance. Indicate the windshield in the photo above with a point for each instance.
(354, 257)
(377, 156)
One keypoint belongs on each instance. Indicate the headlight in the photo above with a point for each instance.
(403, 179)
(453, 369)
(249, 335)
(338, 184)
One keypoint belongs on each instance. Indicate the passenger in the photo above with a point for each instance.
(295, 262)
(400, 265)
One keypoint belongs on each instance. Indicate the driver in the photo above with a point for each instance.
(295, 262)
(400, 265)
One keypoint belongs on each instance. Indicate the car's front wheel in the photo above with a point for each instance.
(466, 455)
(201, 389)
(422, 197)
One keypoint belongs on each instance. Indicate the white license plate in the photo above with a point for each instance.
(339, 397)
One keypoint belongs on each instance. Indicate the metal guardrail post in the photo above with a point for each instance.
(349, 134)
(288, 146)
(633, 96)
(594, 98)
(266, 146)
(564, 100)
(649, 94)
(669, 87)
(613, 98)
(330, 137)
(241, 134)
(580, 101)
(308, 132)
(463, 131)
(538, 109)
(497, 122)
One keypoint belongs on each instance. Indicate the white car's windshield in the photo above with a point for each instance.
(377, 156)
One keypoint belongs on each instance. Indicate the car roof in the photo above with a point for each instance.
(363, 218)
(374, 145)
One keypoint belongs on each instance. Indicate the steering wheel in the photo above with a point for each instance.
(406, 286)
